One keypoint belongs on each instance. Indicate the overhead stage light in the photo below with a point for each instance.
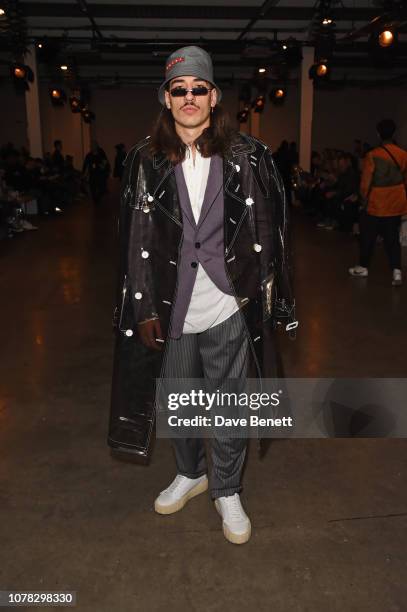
(87, 115)
(386, 38)
(22, 75)
(58, 96)
(64, 67)
(243, 115)
(75, 104)
(292, 51)
(383, 44)
(258, 104)
(320, 71)
(277, 95)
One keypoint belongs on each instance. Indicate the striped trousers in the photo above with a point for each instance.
(214, 355)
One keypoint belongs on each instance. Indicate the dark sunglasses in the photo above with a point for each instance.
(180, 92)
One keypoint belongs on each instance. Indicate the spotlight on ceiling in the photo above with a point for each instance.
(58, 96)
(258, 104)
(292, 51)
(243, 115)
(277, 95)
(383, 44)
(320, 71)
(327, 21)
(2, 12)
(21, 75)
(386, 38)
(261, 70)
(64, 67)
(75, 104)
(87, 115)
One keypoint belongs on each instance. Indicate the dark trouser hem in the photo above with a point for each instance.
(215, 493)
(191, 475)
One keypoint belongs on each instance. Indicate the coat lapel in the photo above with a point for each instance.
(234, 199)
(164, 190)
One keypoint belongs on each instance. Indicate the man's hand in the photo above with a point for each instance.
(150, 334)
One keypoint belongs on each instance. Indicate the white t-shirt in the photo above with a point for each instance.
(209, 306)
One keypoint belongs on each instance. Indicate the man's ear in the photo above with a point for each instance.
(167, 99)
(214, 96)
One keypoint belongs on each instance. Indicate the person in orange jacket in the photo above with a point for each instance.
(383, 189)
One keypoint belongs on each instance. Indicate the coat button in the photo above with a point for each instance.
(237, 168)
(194, 264)
(150, 198)
(257, 248)
(138, 295)
(145, 254)
(249, 201)
(197, 245)
(129, 332)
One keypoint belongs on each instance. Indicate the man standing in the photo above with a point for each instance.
(383, 188)
(204, 275)
(96, 167)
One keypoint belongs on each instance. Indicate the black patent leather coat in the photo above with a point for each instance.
(150, 234)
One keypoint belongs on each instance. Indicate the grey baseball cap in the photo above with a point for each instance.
(188, 61)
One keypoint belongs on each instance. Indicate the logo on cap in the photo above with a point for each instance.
(174, 61)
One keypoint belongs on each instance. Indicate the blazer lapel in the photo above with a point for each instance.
(213, 186)
(164, 190)
(184, 194)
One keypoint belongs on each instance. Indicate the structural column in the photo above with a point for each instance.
(254, 124)
(306, 110)
(32, 105)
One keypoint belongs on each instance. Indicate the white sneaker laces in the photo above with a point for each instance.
(234, 508)
(175, 483)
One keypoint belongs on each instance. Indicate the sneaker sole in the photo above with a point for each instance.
(234, 538)
(180, 503)
(355, 275)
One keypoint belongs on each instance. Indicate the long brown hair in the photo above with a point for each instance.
(215, 139)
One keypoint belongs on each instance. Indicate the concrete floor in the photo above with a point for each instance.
(329, 516)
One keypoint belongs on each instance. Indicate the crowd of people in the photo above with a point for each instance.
(34, 186)
(31, 187)
(363, 192)
(330, 192)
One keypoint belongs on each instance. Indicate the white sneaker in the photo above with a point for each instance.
(397, 278)
(236, 524)
(358, 271)
(174, 497)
